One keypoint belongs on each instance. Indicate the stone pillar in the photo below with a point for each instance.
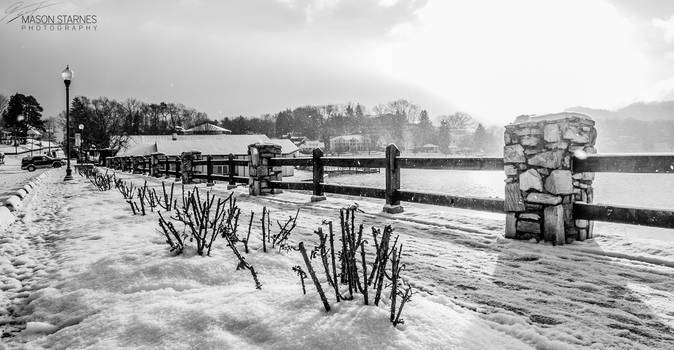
(186, 159)
(155, 166)
(540, 184)
(259, 169)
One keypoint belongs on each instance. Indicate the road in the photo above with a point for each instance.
(12, 177)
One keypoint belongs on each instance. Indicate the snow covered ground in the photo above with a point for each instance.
(77, 270)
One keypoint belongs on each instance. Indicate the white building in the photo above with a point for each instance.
(351, 143)
(309, 145)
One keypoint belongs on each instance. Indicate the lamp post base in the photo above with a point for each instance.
(69, 175)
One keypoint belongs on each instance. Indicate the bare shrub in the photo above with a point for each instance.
(357, 275)
(204, 218)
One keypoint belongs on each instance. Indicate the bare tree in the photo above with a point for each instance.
(133, 115)
(458, 120)
(399, 107)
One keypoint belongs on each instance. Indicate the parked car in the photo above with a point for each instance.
(40, 162)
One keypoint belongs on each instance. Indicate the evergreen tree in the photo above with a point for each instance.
(23, 112)
(444, 136)
(480, 139)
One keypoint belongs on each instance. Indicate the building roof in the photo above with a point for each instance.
(287, 146)
(138, 150)
(215, 144)
(207, 128)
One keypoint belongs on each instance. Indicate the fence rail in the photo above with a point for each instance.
(659, 164)
(394, 194)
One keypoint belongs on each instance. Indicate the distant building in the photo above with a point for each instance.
(351, 143)
(309, 146)
(427, 148)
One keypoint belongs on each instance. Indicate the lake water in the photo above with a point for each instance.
(642, 190)
(636, 190)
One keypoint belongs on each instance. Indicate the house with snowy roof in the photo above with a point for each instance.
(217, 145)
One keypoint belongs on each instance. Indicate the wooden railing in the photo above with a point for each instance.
(394, 194)
(655, 164)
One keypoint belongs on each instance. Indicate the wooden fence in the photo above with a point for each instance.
(394, 194)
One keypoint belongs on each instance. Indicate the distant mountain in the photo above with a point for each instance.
(647, 111)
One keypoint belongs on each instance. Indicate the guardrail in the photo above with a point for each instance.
(394, 194)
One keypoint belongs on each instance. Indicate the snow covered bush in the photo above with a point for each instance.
(280, 239)
(357, 275)
(103, 182)
(203, 219)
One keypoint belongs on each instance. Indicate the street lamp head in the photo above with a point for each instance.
(81, 126)
(67, 74)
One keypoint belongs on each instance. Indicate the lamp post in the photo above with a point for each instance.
(67, 75)
(49, 137)
(19, 119)
(80, 145)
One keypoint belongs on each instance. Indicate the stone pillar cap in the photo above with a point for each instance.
(550, 117)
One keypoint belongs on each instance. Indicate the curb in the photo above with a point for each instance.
(14, 202)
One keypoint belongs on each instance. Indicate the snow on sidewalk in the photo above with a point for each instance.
(91, 275)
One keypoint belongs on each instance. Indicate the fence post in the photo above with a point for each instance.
(178, 172)
(167, 166)
(392, 180)
(133, 165)
(231, 170)
(209, 170)
(541, 186)
(318, 175)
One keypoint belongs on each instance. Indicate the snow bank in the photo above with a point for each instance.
(13, 202)
(6, 217)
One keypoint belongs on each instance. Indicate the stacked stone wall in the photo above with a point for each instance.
(187, 170)
(261, 171)
(540, 184)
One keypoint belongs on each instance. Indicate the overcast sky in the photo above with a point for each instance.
(494, 59)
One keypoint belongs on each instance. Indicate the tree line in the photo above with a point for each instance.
(401, 122)
(106, 121)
